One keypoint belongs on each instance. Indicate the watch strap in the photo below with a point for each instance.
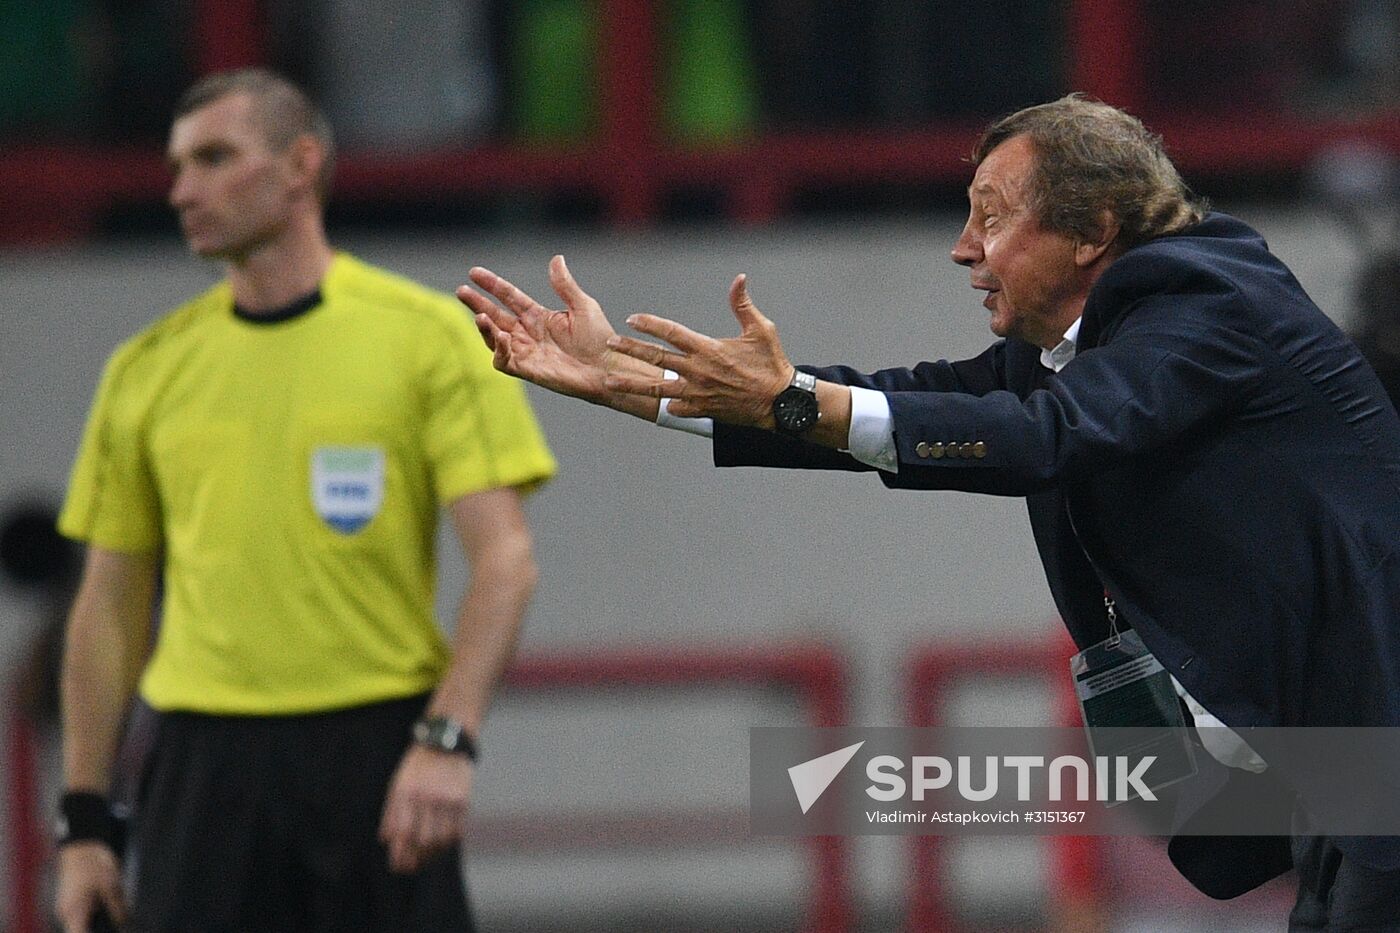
(445, 734)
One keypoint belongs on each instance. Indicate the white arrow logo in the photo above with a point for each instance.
(811, 778)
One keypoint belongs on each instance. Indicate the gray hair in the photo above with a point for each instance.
(1092, 157)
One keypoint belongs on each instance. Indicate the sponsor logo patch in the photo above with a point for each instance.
(347, 485)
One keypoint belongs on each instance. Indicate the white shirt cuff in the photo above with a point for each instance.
(871, 438)
(705, 427)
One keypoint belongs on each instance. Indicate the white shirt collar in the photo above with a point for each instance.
(1059, 357)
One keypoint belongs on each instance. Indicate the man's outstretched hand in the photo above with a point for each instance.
(564, 351)
(734, 379)
(576, 352)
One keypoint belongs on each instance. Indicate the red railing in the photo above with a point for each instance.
(933, 677)
(816, 675)
(56, 193)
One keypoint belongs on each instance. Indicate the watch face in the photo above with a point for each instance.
(438, 732)
(795, 410)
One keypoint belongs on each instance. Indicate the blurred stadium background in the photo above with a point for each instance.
(819, 146)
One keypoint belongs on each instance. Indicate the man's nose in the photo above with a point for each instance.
(966, 251)
(181, 191)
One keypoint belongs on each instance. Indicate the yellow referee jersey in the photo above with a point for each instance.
(291, 473)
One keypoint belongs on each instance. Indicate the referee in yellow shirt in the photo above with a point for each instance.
(276, 452)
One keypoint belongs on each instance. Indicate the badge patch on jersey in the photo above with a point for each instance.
(347, 485)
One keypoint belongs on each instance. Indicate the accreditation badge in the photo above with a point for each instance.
(1131, 708)
(347, 485)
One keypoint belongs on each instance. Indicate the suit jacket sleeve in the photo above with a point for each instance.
(737, 446)
(1172, 368)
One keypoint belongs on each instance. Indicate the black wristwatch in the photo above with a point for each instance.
(444, 734)
(795, 408)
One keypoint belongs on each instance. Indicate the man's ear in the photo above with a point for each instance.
(307, 158)
(1090, 249)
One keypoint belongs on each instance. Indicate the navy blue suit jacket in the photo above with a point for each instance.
(1218, 456)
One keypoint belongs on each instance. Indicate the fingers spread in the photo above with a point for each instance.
(475, 300)
(564, 285)
(742, 305)
(677, 335)
(504, 291)
(501, 359)
(487, 330)
(496, 339)
(484, 278)
(500, 317)
(647, 352)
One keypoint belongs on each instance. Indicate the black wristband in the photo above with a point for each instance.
(84, 816)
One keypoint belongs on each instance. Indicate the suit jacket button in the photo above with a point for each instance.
(936, 451)
(921, 449)
(965, 450)
(979, 449)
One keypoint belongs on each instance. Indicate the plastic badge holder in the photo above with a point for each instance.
(1131, 709)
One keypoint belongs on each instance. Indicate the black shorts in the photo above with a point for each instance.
(271, 824)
